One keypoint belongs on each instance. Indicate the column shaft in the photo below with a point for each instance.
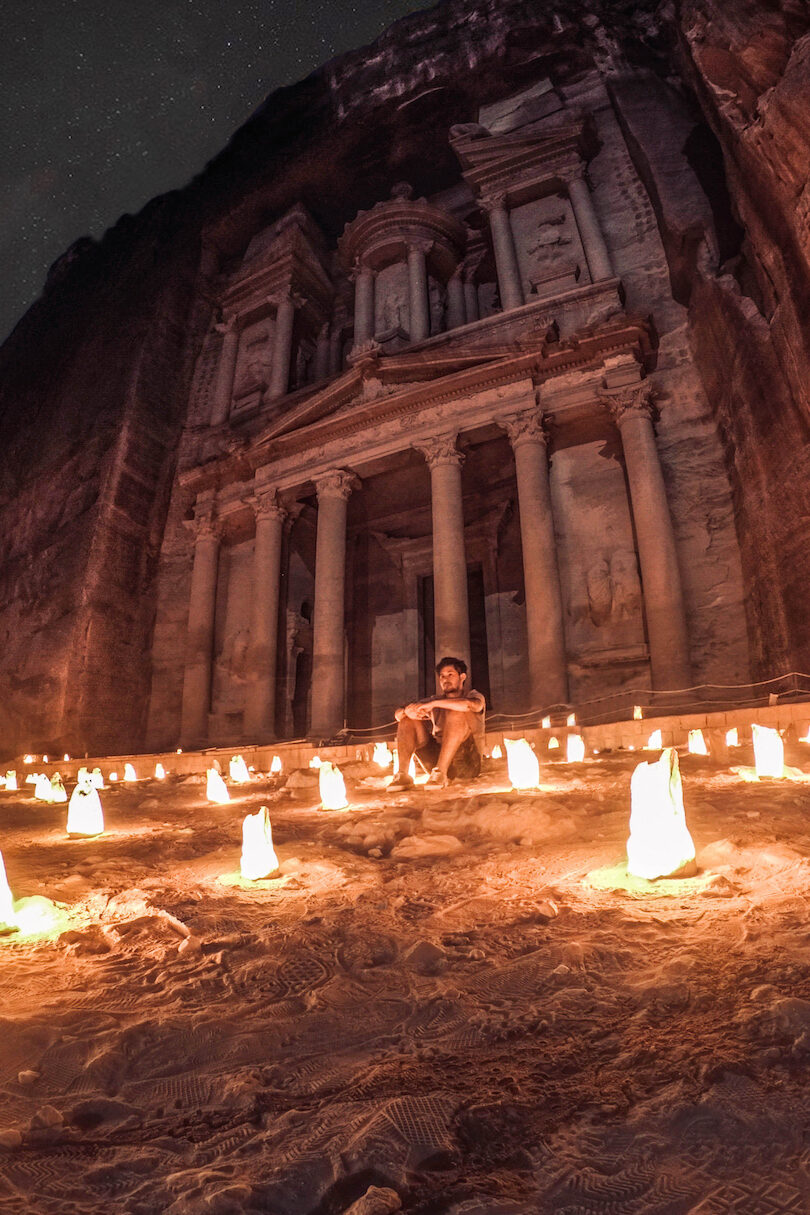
(658, 557)
(456, 309)
(225, 375)
(470, 300)
(328, 670)
(260, 695)
(322, 354)
(590, 230)
(509, 284)
(418, 294)
(363, 306)
(282, 349)
(450, 602)
(548, 675)
(336, 352)
(200, 639)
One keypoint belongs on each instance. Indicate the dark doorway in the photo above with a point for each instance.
(300, 700)
(479, 651)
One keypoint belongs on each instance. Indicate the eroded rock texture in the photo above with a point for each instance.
(103, 389)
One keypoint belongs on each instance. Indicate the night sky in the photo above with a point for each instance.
(104, 105)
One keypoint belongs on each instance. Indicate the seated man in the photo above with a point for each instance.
(444, 732)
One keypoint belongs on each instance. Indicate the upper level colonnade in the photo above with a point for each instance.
(296, 313)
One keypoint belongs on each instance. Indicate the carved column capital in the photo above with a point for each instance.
(266, 505)
(286, 297)
(637, 400)
(205, 525)
(359, 268)
(337, 483)
(419, 245)
(526, 427)
(493, 202)
(228, 324)
(441, 450)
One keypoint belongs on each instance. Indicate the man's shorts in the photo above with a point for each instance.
(466, 763)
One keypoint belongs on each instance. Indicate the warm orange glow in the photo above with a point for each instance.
(660, 844)
(522, 764)
(383, 755)
(85, 816)
(697, 743)
(571, 719)
(6, 899)
(259, 858)
(129, 772)
(97, 778)
(655, 742)
(637, 713)
(769, 752)
(332, 787)
(29, 759)
(497, 753)
(113, 776)
(66, 757)
(11, 778)
(315, 762)
(44, 759)
(545, 723)
(553, 743)
(160, 771)
(58, 791)
(732, 737)
(575, 749)
(275, 766)
(216, 789)
(238, 770)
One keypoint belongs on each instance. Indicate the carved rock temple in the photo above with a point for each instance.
(484, 340)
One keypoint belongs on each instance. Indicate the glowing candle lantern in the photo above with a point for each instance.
(44, 759)
(29, 759)
(179, 750)
(315, 762)
(524, 770)
(575, 749)
(129, 772)
(275, 766)
(697, 743)
(332, 787)
(497, 753)
(545, 723)
(769, 752)
(97, 778)
(66, 757)
(7, 916)
(11, 778)
(160, 771)
(571, 720)
(259, 858)
(655, 742)
(238, 770)
(553, 744)
(383, 755)
(216, 790)
(85, 816)
(58, 791)
(42, 788)
(660, 844)
(636, 712)
(113, 776)
(31, 778)
(732, 737)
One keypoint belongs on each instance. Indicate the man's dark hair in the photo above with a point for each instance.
(459, 664)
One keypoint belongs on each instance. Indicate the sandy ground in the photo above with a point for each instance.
(433, 1005)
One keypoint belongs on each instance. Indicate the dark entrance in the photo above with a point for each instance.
(479, 652)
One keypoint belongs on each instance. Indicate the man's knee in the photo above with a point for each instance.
(457, 725)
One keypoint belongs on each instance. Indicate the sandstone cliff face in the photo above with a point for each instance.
(712, 101)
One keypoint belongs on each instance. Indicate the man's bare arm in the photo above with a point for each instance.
(459, 704)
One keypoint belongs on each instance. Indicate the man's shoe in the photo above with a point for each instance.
(436, 780)
(401, 780)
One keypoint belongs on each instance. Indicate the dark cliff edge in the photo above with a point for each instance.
(94, 380)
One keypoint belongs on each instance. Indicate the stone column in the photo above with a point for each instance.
(590, 231)
(336, 352)
(470, 298)
(503, 241)
(200, 628)
(226, 369)
(260, 695)
(456, 308)
(451, 607)
(328, 672)
(282, 347)
(657, 553)
(323, 348)
(363, 305)
(548, 674)
(418, 290)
